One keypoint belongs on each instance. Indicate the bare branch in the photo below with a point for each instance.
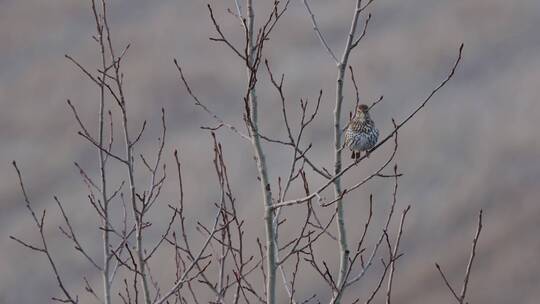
(394, 255)
(204, 107)
(364, 31)
(179, 283)
(40, 223)
(471, 259)
(461, 298)
(72, 236)
(318, 32)
(222, 36)
(447, 283)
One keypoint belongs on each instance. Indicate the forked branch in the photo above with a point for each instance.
(461, 297)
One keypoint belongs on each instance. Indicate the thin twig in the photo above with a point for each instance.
(318, 32)
(395, 255)
(204, 107)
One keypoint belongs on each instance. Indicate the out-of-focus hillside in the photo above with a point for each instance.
(475, 146)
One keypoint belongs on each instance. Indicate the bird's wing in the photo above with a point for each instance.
(347, 138)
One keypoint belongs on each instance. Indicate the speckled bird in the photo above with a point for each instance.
(361, 134)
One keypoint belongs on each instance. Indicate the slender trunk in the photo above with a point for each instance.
(340, 220)
(106, 230)
(342, 237)
(103, 176)
(261, 167)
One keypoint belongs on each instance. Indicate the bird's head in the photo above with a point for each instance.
(362, 108)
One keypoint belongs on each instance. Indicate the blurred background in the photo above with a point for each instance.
(476, 144)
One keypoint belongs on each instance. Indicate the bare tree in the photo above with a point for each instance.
(221, 268)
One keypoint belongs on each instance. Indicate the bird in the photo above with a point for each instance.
(361, 134)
